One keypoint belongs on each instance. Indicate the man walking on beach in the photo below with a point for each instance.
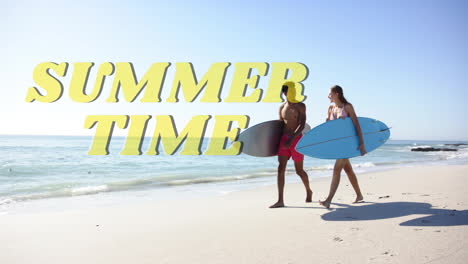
(293, 114)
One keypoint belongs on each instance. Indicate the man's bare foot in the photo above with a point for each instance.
(359, 198)
(277, 205)
(309, 197)
(325, 203)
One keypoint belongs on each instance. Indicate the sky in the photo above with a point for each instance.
(402, 62)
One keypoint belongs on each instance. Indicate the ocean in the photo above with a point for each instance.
(40, 173)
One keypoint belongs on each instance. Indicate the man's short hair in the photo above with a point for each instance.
(284, 89)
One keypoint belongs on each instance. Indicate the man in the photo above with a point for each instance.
(293, 114)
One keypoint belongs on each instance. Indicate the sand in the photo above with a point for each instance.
(410, 215)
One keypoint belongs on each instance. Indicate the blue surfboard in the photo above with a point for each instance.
(337, 139)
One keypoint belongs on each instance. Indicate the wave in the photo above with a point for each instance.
(37, 189)
(45, 191)
(89, 190)
(459, 155)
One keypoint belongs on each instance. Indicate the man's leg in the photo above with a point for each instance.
(299, 165)
(282, 162)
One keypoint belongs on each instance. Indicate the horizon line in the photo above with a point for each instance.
(56, 135)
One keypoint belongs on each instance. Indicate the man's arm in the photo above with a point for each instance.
(280, 115)
(301, 115)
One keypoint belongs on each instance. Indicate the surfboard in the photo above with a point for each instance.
(337, 139)
(262, 140)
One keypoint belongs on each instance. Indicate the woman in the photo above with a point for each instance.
(343, 109)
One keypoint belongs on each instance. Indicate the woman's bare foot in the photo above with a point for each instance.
(359, 198)
(278, 204)
(325, 203)
(309, 197)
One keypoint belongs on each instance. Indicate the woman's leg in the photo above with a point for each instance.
(335, 182)
(353, 179)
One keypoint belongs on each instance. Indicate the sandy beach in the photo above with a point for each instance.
(410, 215)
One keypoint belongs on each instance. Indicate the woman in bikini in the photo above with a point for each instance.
(343, 109)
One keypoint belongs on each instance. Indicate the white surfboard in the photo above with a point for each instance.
(262, 140)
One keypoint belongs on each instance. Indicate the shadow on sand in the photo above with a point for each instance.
(376, 211)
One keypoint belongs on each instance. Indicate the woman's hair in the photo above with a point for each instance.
(337, 89)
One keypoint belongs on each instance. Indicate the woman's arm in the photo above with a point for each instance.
(328, 113)
(352, 114)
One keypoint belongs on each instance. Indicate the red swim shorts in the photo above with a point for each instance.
(291, 150)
